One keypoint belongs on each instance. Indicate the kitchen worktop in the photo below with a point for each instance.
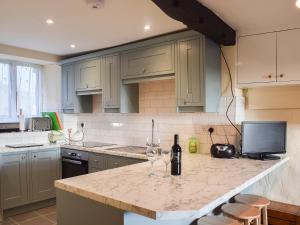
(204, 184)
(118, 150)
(44, 146)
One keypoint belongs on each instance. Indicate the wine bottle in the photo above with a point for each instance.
(176, 157)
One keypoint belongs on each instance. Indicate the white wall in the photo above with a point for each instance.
(52, 88)
(279, 104)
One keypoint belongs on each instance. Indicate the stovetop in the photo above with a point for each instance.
(130, 149)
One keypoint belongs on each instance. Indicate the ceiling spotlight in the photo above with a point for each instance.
(95, 4)
(298, 4)
(49, 21)
(147, 27)
(72, 46)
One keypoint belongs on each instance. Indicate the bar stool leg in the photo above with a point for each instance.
(247, 222)
(265, 215)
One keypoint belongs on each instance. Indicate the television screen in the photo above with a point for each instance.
(263, 137)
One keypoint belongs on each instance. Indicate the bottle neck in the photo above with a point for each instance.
(176, 139)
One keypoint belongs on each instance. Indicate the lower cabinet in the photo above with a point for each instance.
(14, 186)
(44, 171)
(99, 162)
(28, 177)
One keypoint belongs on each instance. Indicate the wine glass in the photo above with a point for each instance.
(152, 152)
(166, 156)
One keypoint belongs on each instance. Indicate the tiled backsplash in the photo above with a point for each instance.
(158, 102)
(133, 129)
(157, 97)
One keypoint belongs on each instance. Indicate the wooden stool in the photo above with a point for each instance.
(217, 220)
(257, 201)
(245, 213)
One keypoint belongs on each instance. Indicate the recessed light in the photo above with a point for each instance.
(147, 27)
(298, 4)
(49, 21)
(72, 46)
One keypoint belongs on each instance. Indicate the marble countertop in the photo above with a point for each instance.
(44, 146)
(103, 150)
(204, 184)
(107, 150)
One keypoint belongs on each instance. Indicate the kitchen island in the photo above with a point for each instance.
(129, 196)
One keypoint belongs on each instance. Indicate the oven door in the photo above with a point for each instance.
(74, 167)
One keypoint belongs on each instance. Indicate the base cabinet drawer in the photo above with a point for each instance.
(100, 162)
(29, 176)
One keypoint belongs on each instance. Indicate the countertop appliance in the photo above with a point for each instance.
(9, 127)
(226, 151)
(261, 139)
(74, 163)
(40, 124)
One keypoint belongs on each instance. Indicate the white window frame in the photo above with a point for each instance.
(13, 82)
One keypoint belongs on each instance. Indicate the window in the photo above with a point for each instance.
(20, 88)
(5, 90)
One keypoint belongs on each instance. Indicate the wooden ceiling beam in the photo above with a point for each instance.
(199, 18)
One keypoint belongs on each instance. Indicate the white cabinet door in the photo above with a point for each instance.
(257, 59)
(288, 56)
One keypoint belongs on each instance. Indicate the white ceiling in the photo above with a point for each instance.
(256, 16)
(22, 23)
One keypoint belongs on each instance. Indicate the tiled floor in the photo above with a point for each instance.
(45, 216)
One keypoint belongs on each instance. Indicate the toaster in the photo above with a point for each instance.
(40, 124)
(226, 151)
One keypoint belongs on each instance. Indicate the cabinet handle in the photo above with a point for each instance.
(34, 156)
(269, 76)
(23, 157)
(281, 75)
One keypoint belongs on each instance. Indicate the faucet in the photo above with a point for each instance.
(152, 133)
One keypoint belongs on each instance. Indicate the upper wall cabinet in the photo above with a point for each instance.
(88, 76)
(257, 59)
(288, 56)
(150, 61)
(198, 75)
(68, 88)
(190, 73)
(112, 81)
(269, 59)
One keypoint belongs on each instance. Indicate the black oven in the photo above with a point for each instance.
(74, 163)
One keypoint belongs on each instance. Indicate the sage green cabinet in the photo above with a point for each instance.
(150, 61)
(100, 162)
(198, 75)
(44, 171)
(97, 162)
(14, 180)
(190, 73)
(88, 75)
(28, 177)
(68, 88)
(111, 70)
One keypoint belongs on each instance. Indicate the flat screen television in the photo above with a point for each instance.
(262, 139)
